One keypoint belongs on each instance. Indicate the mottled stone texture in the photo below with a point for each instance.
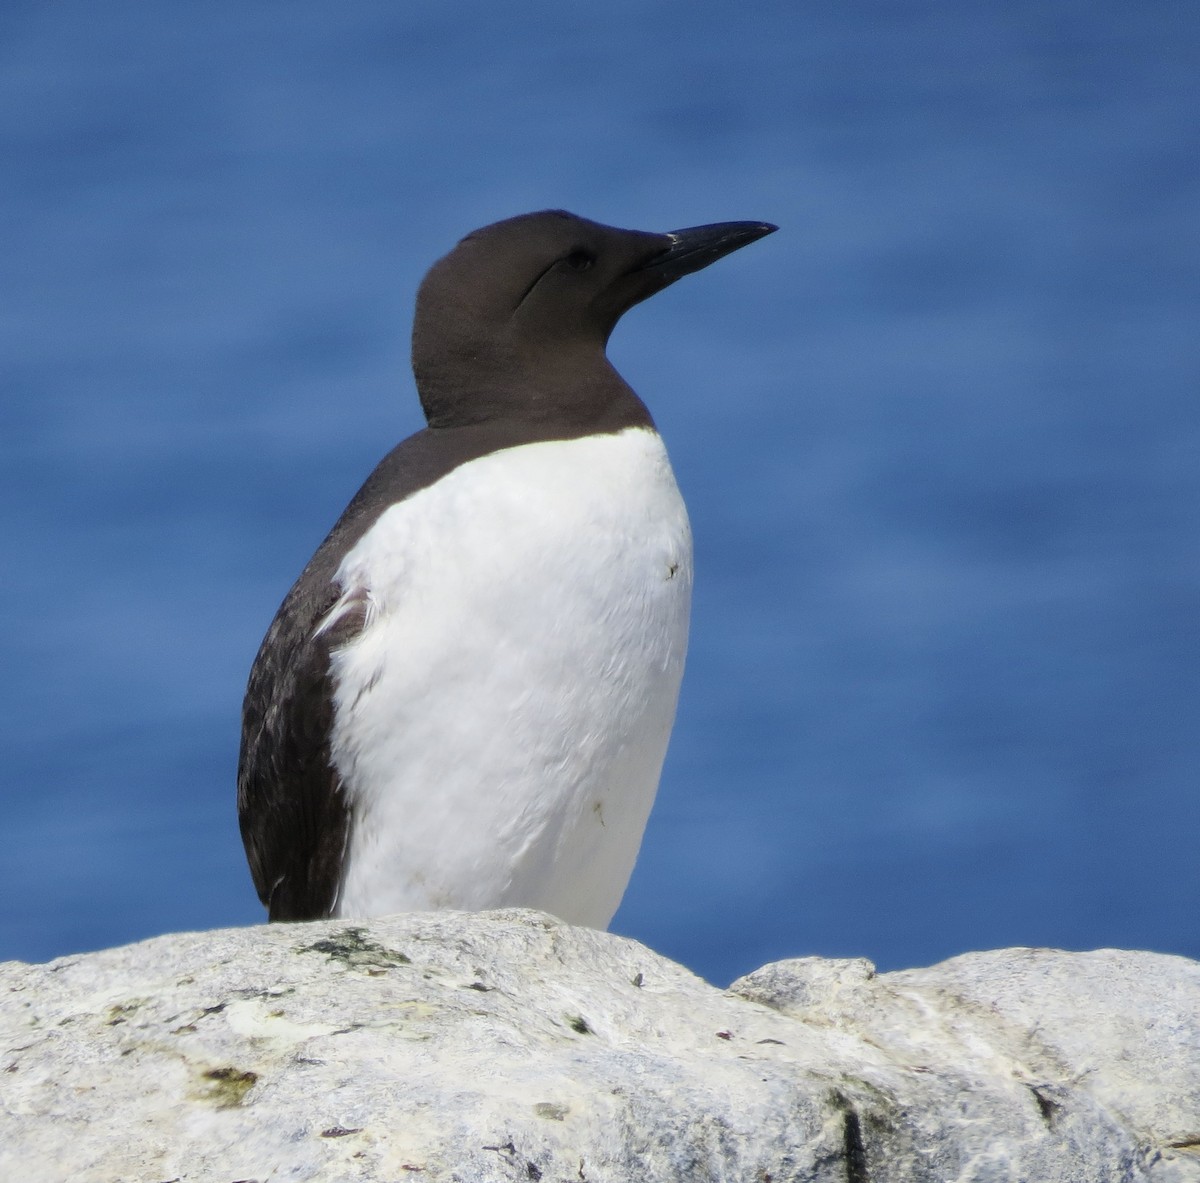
(507, 1046)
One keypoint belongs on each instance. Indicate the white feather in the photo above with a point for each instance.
(501, 722)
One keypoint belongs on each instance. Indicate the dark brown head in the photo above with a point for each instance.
(513, 322)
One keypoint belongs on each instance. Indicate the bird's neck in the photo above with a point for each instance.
(581, 396)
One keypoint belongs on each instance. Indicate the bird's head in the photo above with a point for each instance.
(515, 319)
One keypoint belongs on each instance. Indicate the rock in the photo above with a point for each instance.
(507, 1046)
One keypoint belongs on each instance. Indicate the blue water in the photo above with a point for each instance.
(940, 436)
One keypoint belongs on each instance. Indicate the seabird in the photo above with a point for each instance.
(465, 699)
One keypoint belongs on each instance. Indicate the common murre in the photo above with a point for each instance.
(465, 699)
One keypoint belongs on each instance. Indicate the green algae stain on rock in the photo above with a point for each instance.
(122, 1012)
(354, 949)
(226, 1088)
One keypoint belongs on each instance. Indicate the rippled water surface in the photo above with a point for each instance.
(940, 436)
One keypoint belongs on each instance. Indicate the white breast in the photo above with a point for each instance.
(501, 722)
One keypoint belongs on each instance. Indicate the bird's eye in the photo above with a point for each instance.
(580, 260)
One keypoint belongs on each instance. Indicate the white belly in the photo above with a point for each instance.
(501, 721)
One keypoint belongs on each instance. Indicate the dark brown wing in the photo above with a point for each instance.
(292, 807)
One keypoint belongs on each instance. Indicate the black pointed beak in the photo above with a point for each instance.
(698, 246)
(671, 256)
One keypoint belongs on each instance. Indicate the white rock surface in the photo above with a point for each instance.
(507, 1046)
